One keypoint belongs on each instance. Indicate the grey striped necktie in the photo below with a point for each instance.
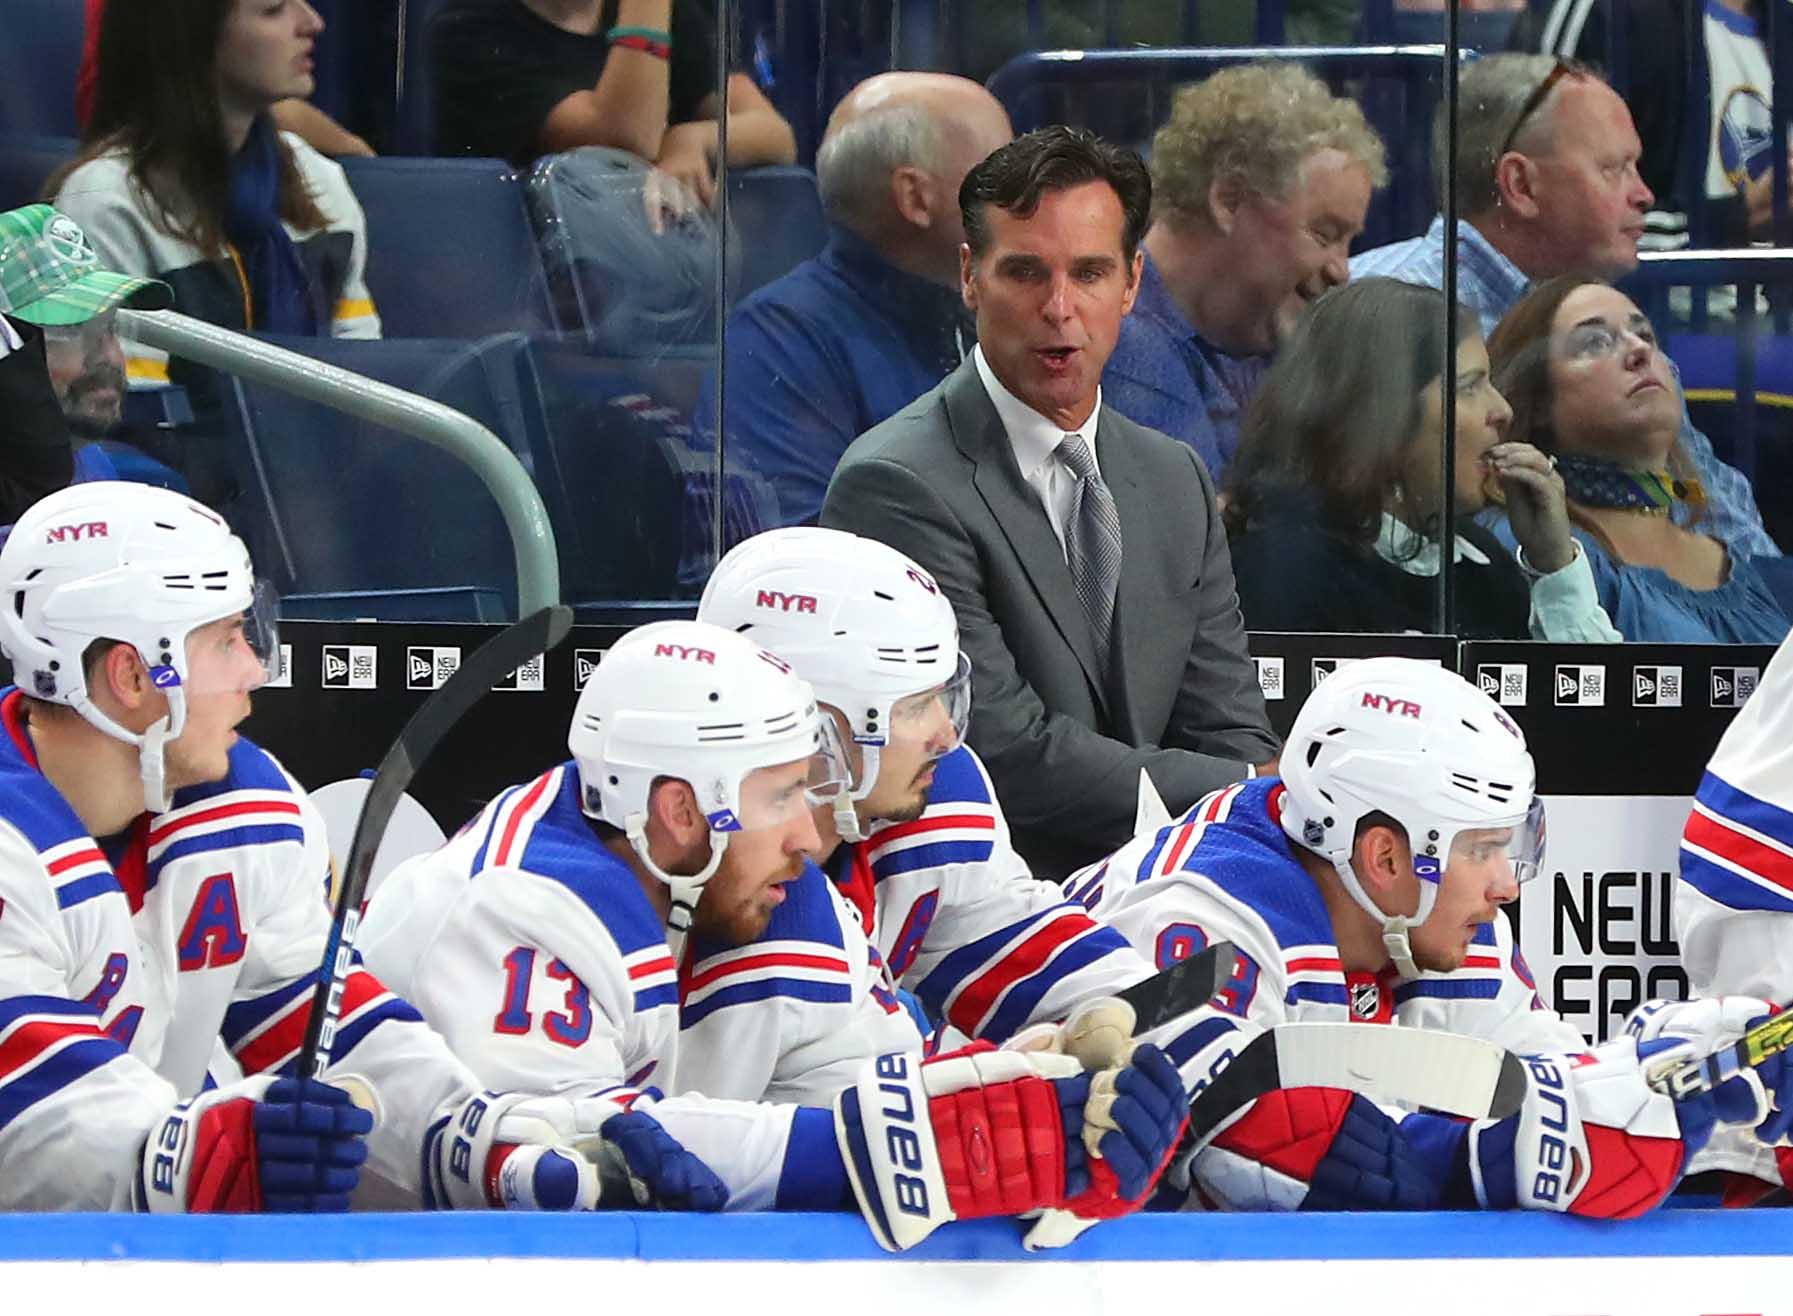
(1092, 543)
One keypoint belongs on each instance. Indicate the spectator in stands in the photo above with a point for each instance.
(184, 177)
(862, 330)
(1333, 500)
(1589, 384)
(1081, 551)
(1260, 181)
(1547, 184)
(1731, 55)
(51, 278)
(524, 78)
(294, 116)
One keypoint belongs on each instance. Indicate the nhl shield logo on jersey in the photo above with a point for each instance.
(1366, 999)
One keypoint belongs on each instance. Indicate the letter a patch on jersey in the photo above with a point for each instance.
(213, 935)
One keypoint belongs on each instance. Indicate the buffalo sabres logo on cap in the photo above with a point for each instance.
(69, 242)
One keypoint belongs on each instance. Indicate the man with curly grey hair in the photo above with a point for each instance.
(1261, 179)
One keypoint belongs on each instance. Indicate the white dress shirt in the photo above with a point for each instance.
(1035, 440)
(10, 341)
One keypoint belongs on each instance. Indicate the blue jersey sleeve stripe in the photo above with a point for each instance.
(85, 889)
(667, 993)
(740, 993)
(356, 1030)
(1324, 993)
(1192, 1041)
(935, 854)
(17, 1007)
(245, 1017)
(1728, 888)
(1019, 1003)
(1738, 806)
(813, 1177)
(971, 960)
(1449, 989)
(68, 1065)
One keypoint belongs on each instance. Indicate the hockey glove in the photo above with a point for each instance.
(265, 1144)
(1593, 1137)
(980, 1132)
(516, 1152)
(1760, 1098)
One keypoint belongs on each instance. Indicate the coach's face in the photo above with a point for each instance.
(1049, 292)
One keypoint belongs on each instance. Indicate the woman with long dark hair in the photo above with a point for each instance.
(1589, 384)
(183, 175)
(1335, 496)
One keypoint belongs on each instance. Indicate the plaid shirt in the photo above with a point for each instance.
(1489, 284)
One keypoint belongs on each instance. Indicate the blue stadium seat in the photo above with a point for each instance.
(450, 251)
(336, 507)
(26, 163)
(40, 53)
(778, 213)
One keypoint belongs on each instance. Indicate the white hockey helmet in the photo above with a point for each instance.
(1414, 741)
(862, 623)
(145, 566)
(691, 701)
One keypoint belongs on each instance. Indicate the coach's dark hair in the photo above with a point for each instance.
(1016, 176)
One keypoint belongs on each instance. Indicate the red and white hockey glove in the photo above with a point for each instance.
(980, 1132)
(265, 1144)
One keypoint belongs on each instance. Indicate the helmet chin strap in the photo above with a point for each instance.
(1394, 926)
(846, 817)
(152, 761)
(684, 889)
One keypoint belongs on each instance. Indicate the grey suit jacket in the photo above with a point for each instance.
(1064, 745)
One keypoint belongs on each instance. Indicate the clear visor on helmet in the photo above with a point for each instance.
(1520, 846)
(238, 653)
(778, 795)
(935, 718)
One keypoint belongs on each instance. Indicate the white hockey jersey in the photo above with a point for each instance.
(123, 966)
(1226, 870)
(537, 953)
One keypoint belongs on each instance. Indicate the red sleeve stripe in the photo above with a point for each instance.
(278, 1040)
(1314, 964)
(1220, 804)
(648, 968)
(1481, 962)
(33, 1039)
(760, 963)
(282, 809)
(926, 826)
(1736, 849)
(973, 1002)
(87, 854)
(508, 852)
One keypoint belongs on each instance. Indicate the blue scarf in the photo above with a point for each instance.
(1596, 482)
(278, 288)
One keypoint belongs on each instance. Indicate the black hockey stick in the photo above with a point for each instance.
(1186, 985)
(1416, 1067)
(497, 658)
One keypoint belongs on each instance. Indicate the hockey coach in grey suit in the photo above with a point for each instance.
(1082, 552)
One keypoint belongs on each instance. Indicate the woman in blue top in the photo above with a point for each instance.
(1580, 365)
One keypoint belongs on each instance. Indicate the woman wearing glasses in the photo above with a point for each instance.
(1588, 383)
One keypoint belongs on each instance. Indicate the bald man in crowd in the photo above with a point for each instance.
(853, 335)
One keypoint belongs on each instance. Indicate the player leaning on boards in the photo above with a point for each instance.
(1337, 915)
(160, 892)
(683, 825)
(916, 841)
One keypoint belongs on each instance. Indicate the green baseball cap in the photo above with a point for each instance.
(50, 273)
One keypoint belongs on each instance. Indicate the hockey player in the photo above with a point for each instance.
(916, 840)
(1734, 902)
(162, 888)
(1366, 885)
(555, 939)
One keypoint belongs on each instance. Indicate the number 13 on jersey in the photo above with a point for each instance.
(569, 1026)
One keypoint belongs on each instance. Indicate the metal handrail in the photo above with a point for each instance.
(462, 437)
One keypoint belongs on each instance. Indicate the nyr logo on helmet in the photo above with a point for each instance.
(74, 534)
(1390, 705)
(782, 602)
(685, 653)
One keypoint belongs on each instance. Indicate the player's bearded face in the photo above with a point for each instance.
(922, 728)
(778, 836)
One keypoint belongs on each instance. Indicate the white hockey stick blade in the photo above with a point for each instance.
(1150, 814)
(1412, 1067)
